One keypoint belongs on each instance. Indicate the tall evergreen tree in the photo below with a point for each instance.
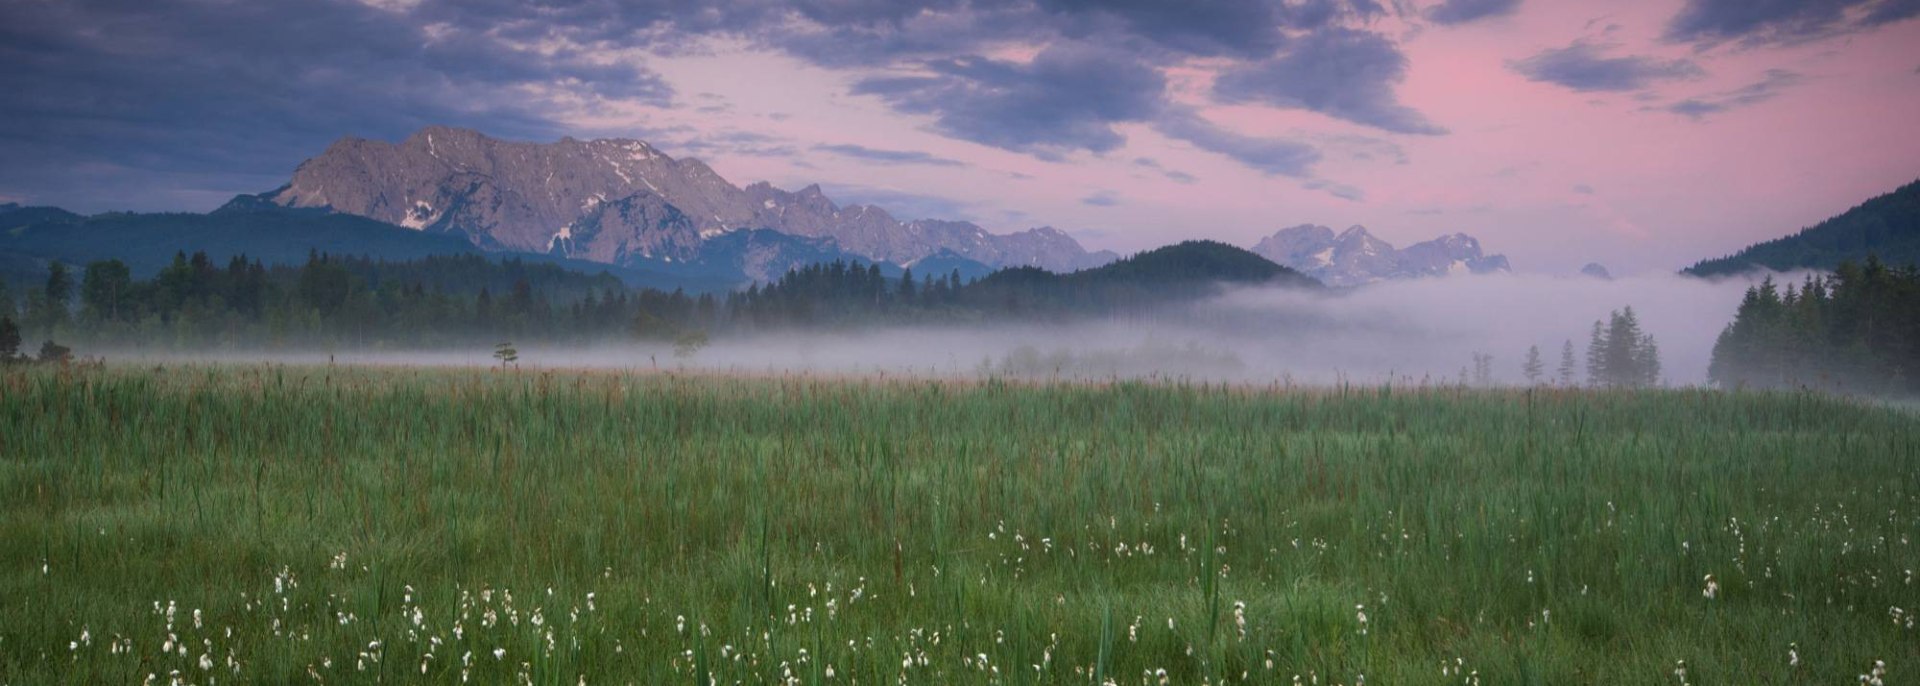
(1532, 368)
(1567, 364)
(50, 304)
(1597, 355)
(103, 287)
(9, 340)
(1620, 355)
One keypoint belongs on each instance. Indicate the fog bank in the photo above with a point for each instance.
(1405, 331)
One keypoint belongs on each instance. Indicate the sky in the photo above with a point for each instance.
(1643, 135)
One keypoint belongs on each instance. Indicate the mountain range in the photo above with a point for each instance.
(619, 206)
(623, 202)
(1355, 257)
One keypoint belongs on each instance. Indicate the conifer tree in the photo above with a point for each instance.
(1597, 355)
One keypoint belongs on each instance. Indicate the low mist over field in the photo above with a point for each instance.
(1420, 330)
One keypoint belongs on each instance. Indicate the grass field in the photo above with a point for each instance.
(351, 525)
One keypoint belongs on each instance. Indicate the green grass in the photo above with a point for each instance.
(676, 529)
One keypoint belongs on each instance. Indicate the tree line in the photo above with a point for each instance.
(463, 300)
(1856, 330)
(330, 301)
(1619, 355)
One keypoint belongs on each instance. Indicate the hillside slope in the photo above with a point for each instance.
(1887, 227)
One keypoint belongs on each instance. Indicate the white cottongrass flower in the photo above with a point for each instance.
(1877, 677)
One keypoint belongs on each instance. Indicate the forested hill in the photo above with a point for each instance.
(1184, 270)
(1887, 227)
(837, 294)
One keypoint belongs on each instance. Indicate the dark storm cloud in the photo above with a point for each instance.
(1782, 21)
(1274, 156)
(1068, 98)
(168, 99)
(1752, 94)
(890, 156)
(1339, 72)
(1583, 67)
(1464, 11)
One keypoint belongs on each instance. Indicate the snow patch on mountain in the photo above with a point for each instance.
(1355, 257)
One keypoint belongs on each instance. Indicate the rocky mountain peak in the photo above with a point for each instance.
(615, 200)
(1355, 256)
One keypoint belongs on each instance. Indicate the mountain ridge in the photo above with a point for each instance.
(620, 201)
(1886, 226)
(1355, 257)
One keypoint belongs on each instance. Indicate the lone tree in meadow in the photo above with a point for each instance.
(506, 354)
(1533, 369)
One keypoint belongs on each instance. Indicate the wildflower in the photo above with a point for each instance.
(1712, 590)
(499, 653)
(1877, 677)
(1793, 654)
(1360, 614)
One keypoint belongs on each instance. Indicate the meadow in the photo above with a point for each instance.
(310, 524)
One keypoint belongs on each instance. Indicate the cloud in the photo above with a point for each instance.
(1452, 12)
(1751, 94)
(1891, 11)
(1066, 99)
(1209, 28)
(889, 156)
(1339, 72)
(1174, 175)
(1582, 67)
(1583, 189)
(725, 143)
(1101, 199)
(176, 103)
(900, 204)
(1751, 22)
(1274, 156)
(1336, 189)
